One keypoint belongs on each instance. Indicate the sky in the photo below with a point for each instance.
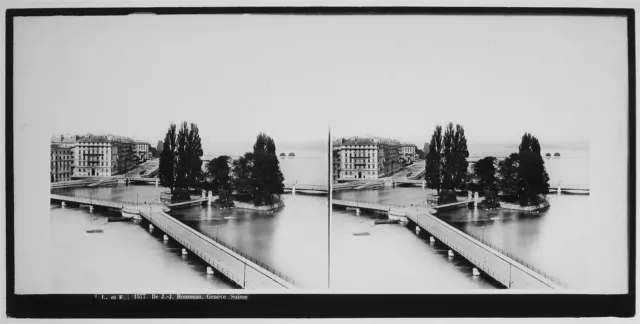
(293, 76)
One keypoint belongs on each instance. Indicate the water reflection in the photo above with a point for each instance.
(292, 240)
(393, 259)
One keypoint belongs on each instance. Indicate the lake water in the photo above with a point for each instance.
(552, 241)
(127, 258)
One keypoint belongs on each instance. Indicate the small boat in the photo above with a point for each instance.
(94, 231)
(118, 219)
(130, 213)
(361, 233)
(397, 214)
(385, 221)
(229, 217)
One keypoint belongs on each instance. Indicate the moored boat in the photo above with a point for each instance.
(397, 214)
(130, 213)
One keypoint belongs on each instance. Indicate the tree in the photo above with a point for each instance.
(180, 163)
(219, 172)
(166, 171)
(242, 177)
(448, 167)
(267, 180)
(460, 154)
(188, 153)
(508, 181)
(533, 177)
(225, 200)
(485, 174)
(433, 168)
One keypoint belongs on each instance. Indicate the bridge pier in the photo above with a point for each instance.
(210, 198)
(559, 189)
(91, 208)
(63, 204)
(476, 199)
(450, 253)
(157, 182)
(357, 211)
(293, 189)
(165, 238)
(432, 239)
(184, 251)
(475, 272)
(209, 271)
(424, 184)
(417, 229)
(150, 227)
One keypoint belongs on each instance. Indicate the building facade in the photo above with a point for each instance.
(103, 155)
(61, 162)
(409, 152)
(143, 150)
(365, 158)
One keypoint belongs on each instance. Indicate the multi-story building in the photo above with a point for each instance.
(61, 162)
(408, 152)
(335, 156)
(143, 150)
(365, 158)
(103, 155)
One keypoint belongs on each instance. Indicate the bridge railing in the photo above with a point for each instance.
(373, 203)
(265, 266)
(517, 259)
(107, 201)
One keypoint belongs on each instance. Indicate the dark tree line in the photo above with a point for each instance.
(521, 176)
(180, 164)
(255, 176)
(446, 165)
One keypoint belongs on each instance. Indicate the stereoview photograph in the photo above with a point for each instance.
(461, 155)
(180, 159)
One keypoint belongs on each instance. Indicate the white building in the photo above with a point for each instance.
(364, 158)
(409, 152)
(103, 155)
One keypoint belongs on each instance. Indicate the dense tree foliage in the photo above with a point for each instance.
(267, 179)
(533, 177)
(166, 171)
(433, 168)
(180, 163)
(219, 174)
(447, 164)
(243, 171)
(523, 175)
(484, 174)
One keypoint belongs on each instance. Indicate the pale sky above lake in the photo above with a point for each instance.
(292, 76)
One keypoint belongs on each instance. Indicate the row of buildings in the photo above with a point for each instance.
(370, 157)
(95, 155)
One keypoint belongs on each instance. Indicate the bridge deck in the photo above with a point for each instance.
(244, 272)
(496, 264)
(458, 203)
(239, 269)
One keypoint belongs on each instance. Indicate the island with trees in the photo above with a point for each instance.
(519, 181)
(252, 181)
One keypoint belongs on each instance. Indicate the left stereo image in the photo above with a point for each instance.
(176, 161)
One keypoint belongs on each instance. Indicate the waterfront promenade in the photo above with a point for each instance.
(238, 268)
(500, 267)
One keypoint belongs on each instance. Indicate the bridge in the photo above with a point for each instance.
(411, 182)
(243, 270)
(560, 186)
(314, 188)
(500, 266)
